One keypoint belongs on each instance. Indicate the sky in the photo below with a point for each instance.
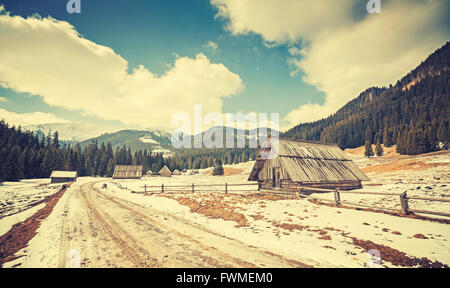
(137, 64)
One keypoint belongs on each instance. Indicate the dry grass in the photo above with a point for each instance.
(213, 208)
(388, 151)
(420, 236)
(410, 164)
(290, 227)
(396, 257)
(227, 171)
(257, 217)
(21, 233)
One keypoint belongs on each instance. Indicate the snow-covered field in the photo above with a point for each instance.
(17, 197)
(317, 235)
(323, 235)
(240, 175)
(20, 200)
(426, 175)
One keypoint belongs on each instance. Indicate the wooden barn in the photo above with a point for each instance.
(127, 172)
(63, 176)
(288, 164)
(165, 171)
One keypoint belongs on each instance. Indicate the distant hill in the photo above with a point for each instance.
(151, 140)
(157, 140)
(68, 132)
(414, 113)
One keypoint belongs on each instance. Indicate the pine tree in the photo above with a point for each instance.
(56, 140)
(218, 168)
(15, 167)
(368, 150)
(110, 169)
(387, 138)
(378, 149)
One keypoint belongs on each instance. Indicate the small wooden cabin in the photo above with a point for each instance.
(290, 164)
(63, 176)
(194, 172)
(176, 172)
(165, 171)
(127, 172)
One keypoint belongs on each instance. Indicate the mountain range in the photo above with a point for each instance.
(415, 109)
(414, 113)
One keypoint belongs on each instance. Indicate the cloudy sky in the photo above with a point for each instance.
(136, 63)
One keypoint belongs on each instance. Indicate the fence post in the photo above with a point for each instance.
(404, 203)
(337, 196)
(259, 186)
(192, 187)
(162, 188)
(226, 188)
(145, 189)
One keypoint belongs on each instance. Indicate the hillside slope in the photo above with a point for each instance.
(414, 113)
(137, 140)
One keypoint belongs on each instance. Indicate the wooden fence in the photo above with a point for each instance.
(404, 199)
(225, 188)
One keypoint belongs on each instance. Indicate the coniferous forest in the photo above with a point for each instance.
(414, 114)
(25, 155)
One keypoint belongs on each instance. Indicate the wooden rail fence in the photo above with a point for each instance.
(337, 199)
(196, 188)
(404, 199)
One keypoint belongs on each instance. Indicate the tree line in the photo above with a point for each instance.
(25, 155)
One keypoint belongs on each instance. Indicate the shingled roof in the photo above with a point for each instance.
(127, 172)
(64, 174)
(309, 162)
(165, 171)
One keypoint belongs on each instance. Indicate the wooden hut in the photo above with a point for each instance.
(165, 171)
(176, 172)
(194, 172)
(290, 164)
(127, 172)
(63, 176)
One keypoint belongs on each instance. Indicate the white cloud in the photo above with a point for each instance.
(212, 45)
(33, 118)
(284, 20)
(49, 58)
(343, 56)
(3, 99)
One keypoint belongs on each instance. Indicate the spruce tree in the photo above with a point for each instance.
(110, 169)
(378, 149)
(368, 150)
(218, 168)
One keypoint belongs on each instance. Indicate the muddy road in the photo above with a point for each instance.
(100, 230)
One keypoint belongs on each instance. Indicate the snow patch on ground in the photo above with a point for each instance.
(16, 197)
(7, 222)
(148, 140)
(321, 234)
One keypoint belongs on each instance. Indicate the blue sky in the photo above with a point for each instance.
(152, 33)
(299, 58)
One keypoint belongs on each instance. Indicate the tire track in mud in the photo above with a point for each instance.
(237, 262)
(65, 242)
(209, 260)
(137, 255)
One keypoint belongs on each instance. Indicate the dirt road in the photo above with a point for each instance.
(100, 230)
